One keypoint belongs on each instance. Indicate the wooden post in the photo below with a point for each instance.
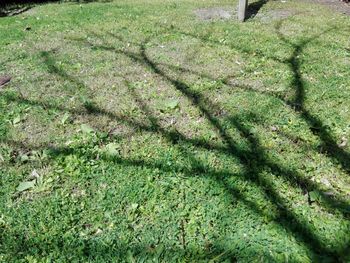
(242, 9)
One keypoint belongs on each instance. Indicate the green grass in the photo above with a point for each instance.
(147, 134)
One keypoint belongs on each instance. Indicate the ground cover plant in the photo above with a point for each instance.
(150, 131)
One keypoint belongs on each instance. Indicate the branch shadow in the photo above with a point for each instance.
(258, 156)
(330, 147)
(13, 11)
(255, 160)
(17, 7)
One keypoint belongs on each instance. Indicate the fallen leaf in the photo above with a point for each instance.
(328, 193)
(24, 158)
(86, 128)
(25, 186)
(34, 174)
(314, 195)
(325, 182)
(343, 142)
(111, 149)
(65, 118)
(134, 206)
(98, 231)
(172, 104)
(16, 120)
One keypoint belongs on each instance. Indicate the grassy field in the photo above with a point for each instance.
(135, 131)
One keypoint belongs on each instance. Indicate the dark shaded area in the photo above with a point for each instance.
(95, 250)
(16, 7)
(253, 8)
(23, 2)
(52, 68)
(13, 10)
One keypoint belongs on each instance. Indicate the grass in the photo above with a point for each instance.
(133, 131)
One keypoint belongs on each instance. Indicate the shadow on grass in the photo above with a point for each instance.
(330, 146)
(253, 8)
(13, 10)
(255, 159)
(95, 250)
(17, 7)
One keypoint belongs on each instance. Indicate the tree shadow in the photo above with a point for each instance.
(253, 8)
(17, 7)
(13, 10)
(329, 144)
(97, 250)
(255, 159)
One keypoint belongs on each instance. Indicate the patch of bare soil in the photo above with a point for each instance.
(217, 13)
(336, 5)
(214, 13)
(275, 14)
(4, 80)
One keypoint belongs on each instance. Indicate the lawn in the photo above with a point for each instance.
(143, 131)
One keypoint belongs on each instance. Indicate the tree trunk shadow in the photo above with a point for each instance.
(254, 8)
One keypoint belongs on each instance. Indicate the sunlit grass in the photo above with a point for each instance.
(133, 130)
